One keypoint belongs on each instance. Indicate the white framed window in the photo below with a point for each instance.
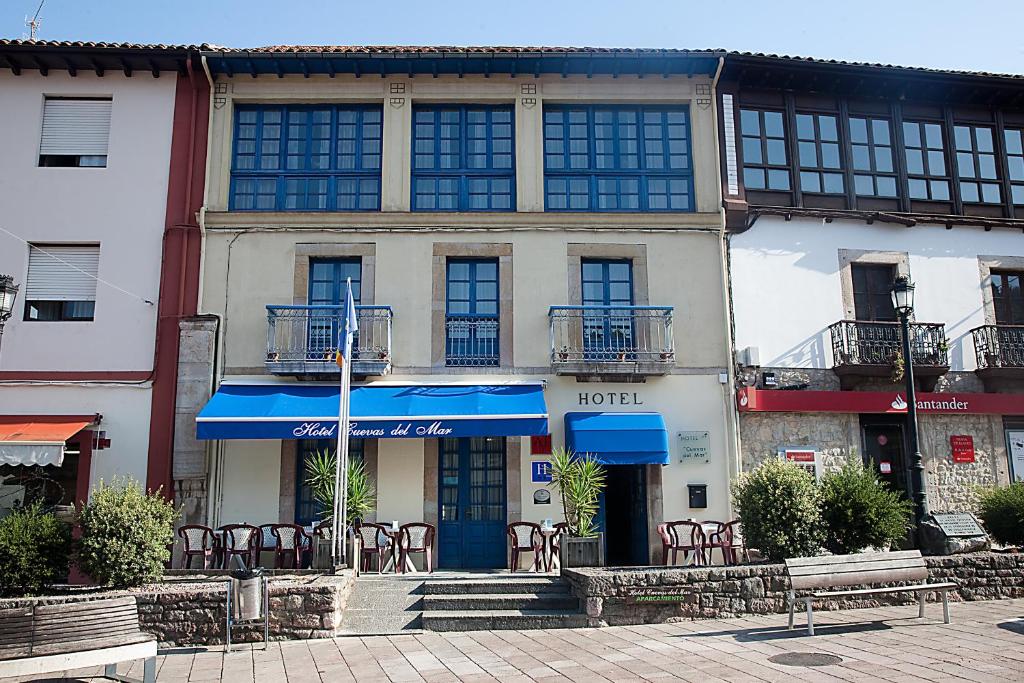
(61, 283)
(75, 131)
(806, 457)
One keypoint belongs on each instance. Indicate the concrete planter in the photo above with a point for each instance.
(582, 552)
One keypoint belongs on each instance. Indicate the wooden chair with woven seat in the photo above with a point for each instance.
(525, 537)
(555, 546)
(729, 539)
(416, 537)
(266, 544)
(197, 541)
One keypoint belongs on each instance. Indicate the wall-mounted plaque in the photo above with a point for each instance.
(542, 497)
(695, 445)
(958, 524)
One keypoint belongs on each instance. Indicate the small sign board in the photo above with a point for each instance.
(540, 445)
(659, 595)
(541, 472)
(542, 497)
(959, 524)
(1015, 441)
(963, 447)
(694, 445)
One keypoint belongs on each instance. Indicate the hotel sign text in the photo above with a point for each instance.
(610, 398)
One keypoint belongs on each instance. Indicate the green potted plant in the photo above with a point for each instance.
(580, 479)
(362, 493)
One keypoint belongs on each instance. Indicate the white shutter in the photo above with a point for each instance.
(55, 273)
(75, 127)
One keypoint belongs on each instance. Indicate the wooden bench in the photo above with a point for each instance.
(844, 571)
(44, 639)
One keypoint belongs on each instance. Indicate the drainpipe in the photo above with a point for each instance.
(731, 417)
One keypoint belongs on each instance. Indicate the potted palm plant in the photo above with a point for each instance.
(361, 495)
(580, 480)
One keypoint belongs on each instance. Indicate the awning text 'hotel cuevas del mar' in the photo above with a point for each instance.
(382, 411)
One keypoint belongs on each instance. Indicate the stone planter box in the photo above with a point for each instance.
(582, 552)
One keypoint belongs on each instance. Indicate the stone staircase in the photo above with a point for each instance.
(383, 605)
(506, 602)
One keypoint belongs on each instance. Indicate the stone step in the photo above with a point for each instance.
(539, 584)
(502, 620)
(551, 601)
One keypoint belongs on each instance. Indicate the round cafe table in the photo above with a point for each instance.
(393, 533)
(548, 555)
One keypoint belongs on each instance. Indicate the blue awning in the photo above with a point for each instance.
(618, 438)
(387, 411)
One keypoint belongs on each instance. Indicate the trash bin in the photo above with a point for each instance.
(246, 592)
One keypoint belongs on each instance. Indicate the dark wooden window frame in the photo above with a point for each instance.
(764, 165)
(871, 145)
(1002, 303)
(975, 155)
(820, 170)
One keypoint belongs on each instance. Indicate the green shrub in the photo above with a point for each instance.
(1002, 511)
(860, 511)
(580, 480)
(35, 548)
(778, 505)
(126, 534)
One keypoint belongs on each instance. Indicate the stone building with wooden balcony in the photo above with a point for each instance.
(535, 245)
(837, 178)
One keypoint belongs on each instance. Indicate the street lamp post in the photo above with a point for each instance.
(903, 301)
(8, 292)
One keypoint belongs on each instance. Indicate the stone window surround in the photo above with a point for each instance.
(847, 257)
(290, 474)
(635, 253)
(986, 264)
(441, 253)
(365, 251)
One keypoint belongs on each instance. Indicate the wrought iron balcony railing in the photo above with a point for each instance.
(999, 346)
(472, 341)
(304, 339)
(872, 343)
(638, 339)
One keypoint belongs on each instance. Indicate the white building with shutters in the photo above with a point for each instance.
(83, 200)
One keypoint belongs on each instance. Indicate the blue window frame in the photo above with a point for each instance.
(307, 510)
(471, 312)
(327, 281)
(607, 333)
(306, 158)
(617, 158)
(463, 158)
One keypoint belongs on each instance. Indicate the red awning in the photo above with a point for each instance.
(38, 439)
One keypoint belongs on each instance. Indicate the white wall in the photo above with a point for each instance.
(251, 482)
(786, 282)
(121, 206)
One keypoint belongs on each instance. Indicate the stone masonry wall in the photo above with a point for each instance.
(181, 613)
(722, 592)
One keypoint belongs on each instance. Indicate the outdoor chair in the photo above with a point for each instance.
(687, 537)
(266, 544)
(290, 541)
(197, 541)
(555, 545)
(373, 541)
(416, 537)
(241, 540)
(526, 538)
(728, 539)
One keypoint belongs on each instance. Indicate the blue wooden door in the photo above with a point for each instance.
(471, 503)
(327, 281)
(608, 333)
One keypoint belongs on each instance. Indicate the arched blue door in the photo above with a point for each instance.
(471, 503)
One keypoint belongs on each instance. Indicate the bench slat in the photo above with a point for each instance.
(857, 578)
(93, 646)
(51, 622)
(858, 557)
(71, 631)
(75, 608)
(114, 637)
(14, 651)
(921, 587)
(880, 565)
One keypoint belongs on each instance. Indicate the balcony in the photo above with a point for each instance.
(617, 341)
(303, 340)
(999, 350)
(471, 341)
(863, 350)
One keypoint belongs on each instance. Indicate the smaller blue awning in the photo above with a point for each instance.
(618, 438)
(382, 411)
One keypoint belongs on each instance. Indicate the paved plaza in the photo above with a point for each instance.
(985, 642)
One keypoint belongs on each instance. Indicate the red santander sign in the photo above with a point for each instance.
(782, 401)
(962, 446)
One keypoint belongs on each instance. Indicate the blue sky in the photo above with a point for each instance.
(975, 35)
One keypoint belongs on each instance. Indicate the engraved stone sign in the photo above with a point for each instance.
(958, 524)
(659, 594)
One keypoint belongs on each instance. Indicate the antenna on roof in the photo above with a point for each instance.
(34, 22)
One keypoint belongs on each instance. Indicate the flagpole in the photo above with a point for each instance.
(344, 360)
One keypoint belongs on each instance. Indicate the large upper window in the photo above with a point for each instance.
(976, 165)
(617, 158)
(306, 158)
(1015, 164)
(765, 166)
(871, 144)
(1008, 297)
(76, 131)
(818, 153)
(61, 283)
(872, 297)
(463, 158)
(926, 161)
(471, 312)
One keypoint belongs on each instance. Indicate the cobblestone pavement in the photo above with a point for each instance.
(985, 642)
